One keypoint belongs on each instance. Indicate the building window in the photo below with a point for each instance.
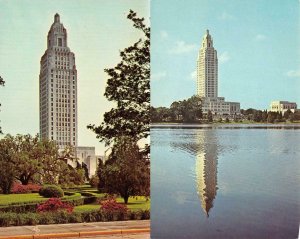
(59, 42)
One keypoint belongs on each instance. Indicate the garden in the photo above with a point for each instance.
(33, 204)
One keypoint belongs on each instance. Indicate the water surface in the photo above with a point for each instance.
(232, 182)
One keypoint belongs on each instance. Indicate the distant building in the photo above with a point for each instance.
(283, 106)
(207, 81)
(87, 156)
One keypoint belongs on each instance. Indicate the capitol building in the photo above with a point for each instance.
(207, 81)
(58, 96)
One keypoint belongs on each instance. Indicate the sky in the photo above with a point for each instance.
(97, 31)
(257, 43)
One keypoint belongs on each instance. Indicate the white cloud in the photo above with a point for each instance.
(293, 73)
(158, 76)
(193, 75)
(224, 57)
(260, 37)
(182, 47)
(226, 16)
(164, 34)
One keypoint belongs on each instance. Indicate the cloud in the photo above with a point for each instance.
(293, 73)
(260, 37)
(226, 16)
(224, 57)
(182, 47)
(164, 35)
(193, 75)
(158, 76)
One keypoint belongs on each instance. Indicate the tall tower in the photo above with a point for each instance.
(207, 69)
(58, 89)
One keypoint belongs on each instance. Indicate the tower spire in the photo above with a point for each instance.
(57, 18)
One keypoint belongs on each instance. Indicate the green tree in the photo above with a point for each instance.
(209, 116)
(6, 167)
(129, 87)
(127, 170)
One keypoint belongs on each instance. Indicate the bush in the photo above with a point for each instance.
(30, 188)
(51, 191)
(54, 205)
(94, 181)
(111, 210)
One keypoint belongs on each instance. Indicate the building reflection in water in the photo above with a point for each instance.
(204, 147)
(206, 169)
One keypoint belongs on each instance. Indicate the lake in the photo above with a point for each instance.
(239, 181)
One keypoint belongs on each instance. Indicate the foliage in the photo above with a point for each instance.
(30, 159)
(94, 181)
(180, 111)
(29, 188)
(72, 176)
(110, 205)
(209, 116)
(127, 170)
(129, 87)
(54, 205)
(50, 191)
(6, 166)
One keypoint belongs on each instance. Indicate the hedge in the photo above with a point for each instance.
(22, 219)
(75, 199)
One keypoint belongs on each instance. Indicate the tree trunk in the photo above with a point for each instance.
(126, 199)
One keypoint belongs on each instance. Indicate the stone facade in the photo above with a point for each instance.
(87, 155)
(207, 81)
(58, 89)
(283, 106)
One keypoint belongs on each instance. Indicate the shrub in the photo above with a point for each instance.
(51, 191)
(94, 181)
(54, 205)
(30, 188)
(111, 210)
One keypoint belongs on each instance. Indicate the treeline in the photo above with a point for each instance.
(187, 111)
(268, 116)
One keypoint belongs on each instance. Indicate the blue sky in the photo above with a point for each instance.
(97, 30)
(257, 43)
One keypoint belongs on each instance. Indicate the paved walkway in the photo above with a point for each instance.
(118, 229)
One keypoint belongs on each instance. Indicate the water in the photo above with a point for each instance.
(225, 182)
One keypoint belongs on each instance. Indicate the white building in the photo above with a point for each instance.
(58, 89)
(58, 96)
(283, 106)
(207, 81)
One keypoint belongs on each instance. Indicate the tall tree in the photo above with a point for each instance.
(2, 82)
(129, 87)
(6, 167)
(127, 170)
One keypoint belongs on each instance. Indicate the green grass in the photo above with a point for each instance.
(134, 204)
(20, 198)
(27, 198)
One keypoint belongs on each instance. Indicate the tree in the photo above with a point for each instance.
(209, 116)
(129, 87)
(6, 167)
(127, 170)
(34, 159)
(2, 82)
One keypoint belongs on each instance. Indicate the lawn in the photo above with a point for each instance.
(6, 199)
(134, 204)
